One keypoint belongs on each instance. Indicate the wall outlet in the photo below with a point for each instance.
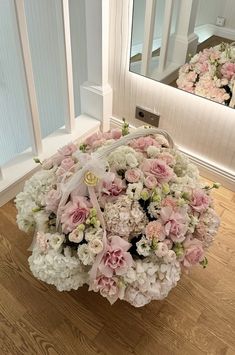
(148, 117)
(220, 21)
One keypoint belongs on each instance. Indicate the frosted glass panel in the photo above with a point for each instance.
(14, 135)
(78, 38)
(46, 38)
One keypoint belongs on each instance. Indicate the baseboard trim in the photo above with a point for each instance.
(207, 169)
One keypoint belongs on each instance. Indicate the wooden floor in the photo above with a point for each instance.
(198, 317)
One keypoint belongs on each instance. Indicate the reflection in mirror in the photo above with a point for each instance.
(166, 34)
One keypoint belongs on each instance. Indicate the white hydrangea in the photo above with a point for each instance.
(153, 151)
(152, 281)
(122, 158)
(64, 272)
(31, 199)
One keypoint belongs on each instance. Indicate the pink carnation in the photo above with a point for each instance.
(193, 252)
(200, 201)
(228, 70)
(154, 230)
(116, 259)
(74, 213)
(141, 144)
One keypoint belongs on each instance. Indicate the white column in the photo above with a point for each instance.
(96, 93)
(165, 35)
(70, 120)
(34, 124)
(185, 40)
(149, 22)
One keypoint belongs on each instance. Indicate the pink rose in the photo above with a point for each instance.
(159, 169)
(55, 160)
(193, 252)
(75, 212)
(141, 144)
(52, 200)
(116, 133)
(67, 164)
(93, 138)
(107, 287)
(116, 259)
(200, 200)
(133, 175)
(113, 134)
(175, 223)
(154, 230)
(167, 158)
(68, 149)
(150, 181)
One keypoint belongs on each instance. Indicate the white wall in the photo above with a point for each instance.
(229, 13)
(200, 126)
(209, 10)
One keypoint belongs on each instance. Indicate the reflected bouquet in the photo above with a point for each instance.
(124, 213)
(211, 74)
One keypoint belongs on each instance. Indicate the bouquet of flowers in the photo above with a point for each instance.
(211, 74)
(123, 212)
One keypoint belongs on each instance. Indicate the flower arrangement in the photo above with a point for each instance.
(211, 74)
(124, 213)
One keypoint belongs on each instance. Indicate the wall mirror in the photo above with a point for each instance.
(188, 44)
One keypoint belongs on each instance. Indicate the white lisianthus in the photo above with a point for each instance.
(93, 233)
(76, 236)
(95, 246)
(143, 247)
(134, 190)
(85, 254)
(56, 240)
